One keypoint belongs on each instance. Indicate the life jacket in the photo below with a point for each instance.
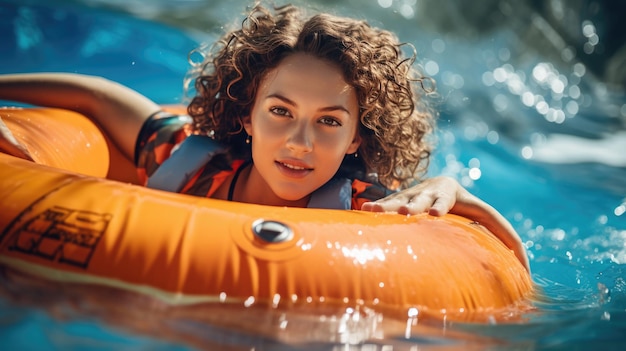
(198, 150)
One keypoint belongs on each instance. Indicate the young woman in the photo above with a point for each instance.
(289, 110)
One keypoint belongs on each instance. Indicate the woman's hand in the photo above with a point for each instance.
(10, 145)
(440, 195)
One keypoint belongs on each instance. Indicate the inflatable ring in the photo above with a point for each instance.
(62, 219)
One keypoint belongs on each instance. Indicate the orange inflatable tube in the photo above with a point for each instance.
(61, 219)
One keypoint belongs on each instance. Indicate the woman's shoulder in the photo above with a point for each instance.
(156, 141)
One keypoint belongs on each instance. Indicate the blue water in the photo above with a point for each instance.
(531, 125)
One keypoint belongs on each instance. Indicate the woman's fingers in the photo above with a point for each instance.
(441, 206)
(435, 196)
(388, 204)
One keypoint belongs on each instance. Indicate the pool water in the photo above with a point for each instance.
(533, 124)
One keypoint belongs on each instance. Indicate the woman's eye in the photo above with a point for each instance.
(279, 111)
(330, 121)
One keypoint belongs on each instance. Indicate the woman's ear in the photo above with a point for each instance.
(246, 122)
(354, 146)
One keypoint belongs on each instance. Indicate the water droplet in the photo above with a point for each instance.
(249, 301)
(431, 68)
(527, 152)
(474, 173)
(275, 300)
(385, 3)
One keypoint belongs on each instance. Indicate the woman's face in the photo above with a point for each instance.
(303, 122)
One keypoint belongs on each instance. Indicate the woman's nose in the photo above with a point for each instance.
(300, 138)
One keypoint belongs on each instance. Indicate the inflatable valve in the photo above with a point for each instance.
(272, 231)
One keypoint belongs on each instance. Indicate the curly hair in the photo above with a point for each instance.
(395, 117)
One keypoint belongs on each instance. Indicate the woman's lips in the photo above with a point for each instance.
(293, 169)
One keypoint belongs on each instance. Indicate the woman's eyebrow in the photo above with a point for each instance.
(283, 98)
(293, 103)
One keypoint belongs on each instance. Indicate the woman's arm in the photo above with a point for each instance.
(440, 195)
(118, 110)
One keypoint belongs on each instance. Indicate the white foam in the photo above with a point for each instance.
(563, 148)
